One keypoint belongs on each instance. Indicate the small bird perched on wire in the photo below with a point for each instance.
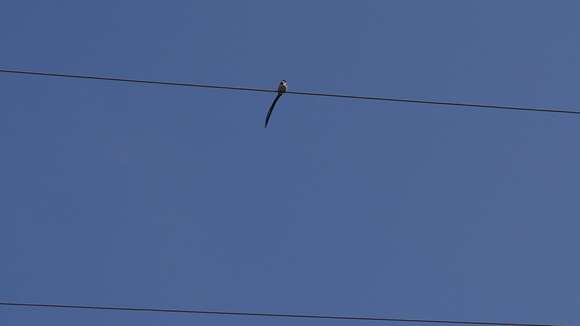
(281, 90)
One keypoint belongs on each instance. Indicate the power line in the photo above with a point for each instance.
(262, 314)
(264, 90)
(139, 81)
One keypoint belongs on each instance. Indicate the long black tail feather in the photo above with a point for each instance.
(270, 110)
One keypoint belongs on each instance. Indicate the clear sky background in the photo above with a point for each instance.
(151, 196)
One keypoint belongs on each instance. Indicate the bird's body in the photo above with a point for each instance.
(282, 87)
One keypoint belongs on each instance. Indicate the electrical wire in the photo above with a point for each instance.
(320, 94)
(265, 314)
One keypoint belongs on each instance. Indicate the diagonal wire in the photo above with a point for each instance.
(321, 94)
(265, 314)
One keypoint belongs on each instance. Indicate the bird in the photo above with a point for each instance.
(281, 90)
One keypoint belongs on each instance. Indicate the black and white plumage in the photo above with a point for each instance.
(281, 90)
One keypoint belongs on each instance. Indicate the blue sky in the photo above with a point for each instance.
(124, 194)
